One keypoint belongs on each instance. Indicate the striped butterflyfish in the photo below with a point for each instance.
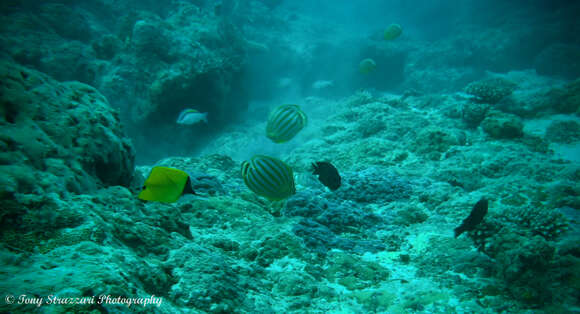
(285, 122)
(268, 177)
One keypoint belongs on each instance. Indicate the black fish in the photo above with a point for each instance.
(474, 218)
(327, 174)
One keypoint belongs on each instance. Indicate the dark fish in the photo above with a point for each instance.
(474, 218)
(327, 174)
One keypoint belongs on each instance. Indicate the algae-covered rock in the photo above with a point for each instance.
(371, 127)
(566, 99)
(293, 283)
(354, 273)
(408, 215)
(64, 132)
(565, 192)
(432, 142)
(204, 280)
(66, 21)
(107, 47)
(375, 300)
(474, 113)
(150, 40)
(503, 125)
(276, 247)
(563, 131)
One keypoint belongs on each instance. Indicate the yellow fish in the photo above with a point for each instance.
(367, 65)
(166, 185)
(392, 32)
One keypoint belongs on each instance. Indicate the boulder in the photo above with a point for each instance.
(58, 137)
(503, 125)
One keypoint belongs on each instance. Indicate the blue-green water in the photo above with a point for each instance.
(158, 156)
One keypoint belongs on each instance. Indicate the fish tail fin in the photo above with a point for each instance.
(458, 231)
(179, 119)
(188, 189)
(314, 168)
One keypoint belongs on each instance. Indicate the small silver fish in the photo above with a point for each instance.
(322, 84)
(191, 116)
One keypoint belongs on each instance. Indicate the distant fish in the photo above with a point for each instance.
(474, 218)
(269, 177)
(166, 185)
(327, 174)
(285, 122)
(284, 82)
(367, 66)
(322, 84)
(392, 32)
(191, 116)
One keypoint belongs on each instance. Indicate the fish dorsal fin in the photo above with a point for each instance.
(184, 113)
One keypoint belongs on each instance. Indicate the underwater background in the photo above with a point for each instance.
(272, 156)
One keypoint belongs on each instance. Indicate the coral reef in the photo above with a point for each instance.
(387, 228)
(522, 242)
(406, 141)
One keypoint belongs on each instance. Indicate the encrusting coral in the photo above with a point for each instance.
(492, 90)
